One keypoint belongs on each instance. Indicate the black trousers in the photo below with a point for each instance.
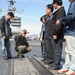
(57, 51)
(43, 49)
(48, 49)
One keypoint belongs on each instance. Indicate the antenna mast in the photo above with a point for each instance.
(11, 7)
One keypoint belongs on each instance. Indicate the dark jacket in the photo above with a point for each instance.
(21, 41)
(5, 27)
(47, 24)
(69, 20)
(57, 29)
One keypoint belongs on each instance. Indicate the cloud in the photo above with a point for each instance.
(32, 17)
(45, 1)
(41, 1)
(22, 0)
(33, 29)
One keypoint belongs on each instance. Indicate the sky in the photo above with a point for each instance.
(32, 11)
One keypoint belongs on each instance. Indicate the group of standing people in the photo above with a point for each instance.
(57, 25)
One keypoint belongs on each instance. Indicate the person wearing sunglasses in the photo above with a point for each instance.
(22, 46)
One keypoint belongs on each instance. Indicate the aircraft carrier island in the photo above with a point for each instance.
(16, 21)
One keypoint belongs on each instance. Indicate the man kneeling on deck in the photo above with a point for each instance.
(22, 45)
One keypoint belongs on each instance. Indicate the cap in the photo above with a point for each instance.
(25, 31)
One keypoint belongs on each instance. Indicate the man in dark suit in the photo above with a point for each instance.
(56, 33)
(49, 11)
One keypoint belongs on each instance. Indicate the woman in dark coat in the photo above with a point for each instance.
(43, 20)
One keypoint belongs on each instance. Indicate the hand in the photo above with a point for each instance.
(30, 47)
(40, 39)
(10, 37)
(57, 22)
(54, 37)
(4, 37)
